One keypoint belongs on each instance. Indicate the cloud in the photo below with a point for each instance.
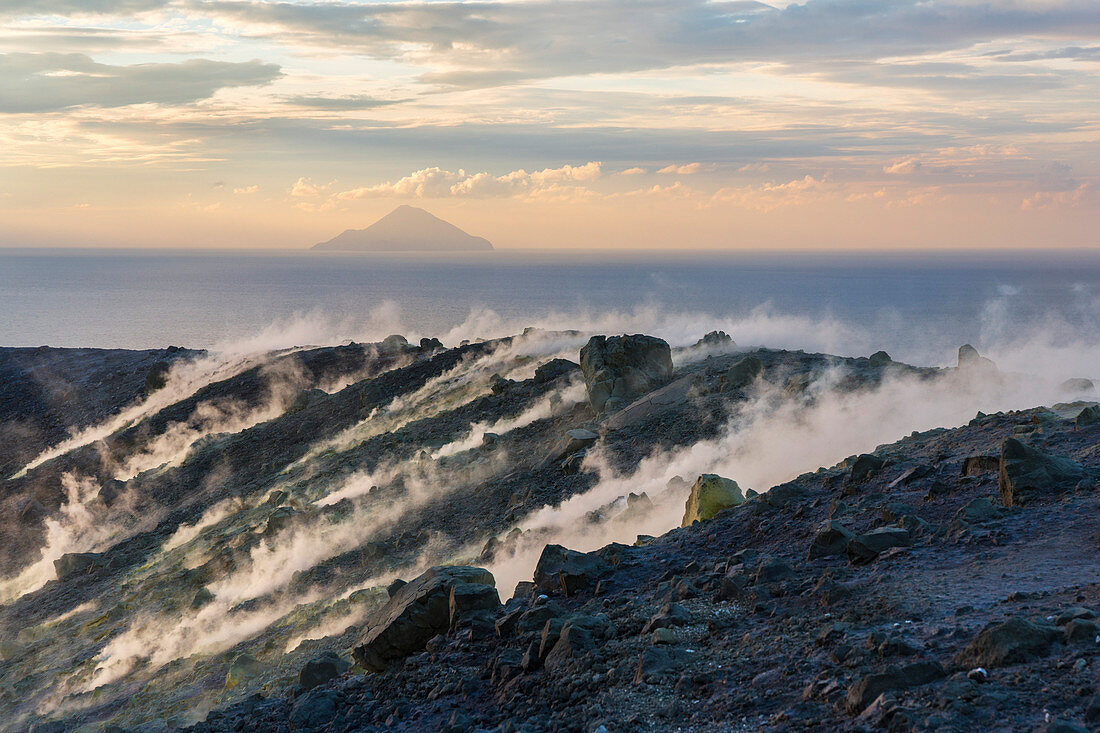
(1057, 199)
(47, 82)
(769, 196)
(245, 191)
(306, 188)
(354, 102)
(688, 169)
(79, 7)
(469, 45)
(435, 182)
(902, 167)
(635, 171)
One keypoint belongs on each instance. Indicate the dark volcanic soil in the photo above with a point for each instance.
(732, 623)
(770, 639)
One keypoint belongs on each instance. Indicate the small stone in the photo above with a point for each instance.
(663, 636)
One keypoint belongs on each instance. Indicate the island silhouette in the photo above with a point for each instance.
(406, 229)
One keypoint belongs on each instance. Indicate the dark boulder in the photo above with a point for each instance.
(1087, 416)
(574, 644)
(553, 369)
(417, 611)
(78, 563)
(1027, 474)
(468, 597)
(715, 339)
(743, 373)
(670, 615)
(618, 369)
(865, 466)
(866, 689)
(869, 545)
(393, 345)
(971, 361)
(1009, 642)
(831, 539)
(880, 359)
(784, 495)
(321, 669)
(430, 344)
(568, 571)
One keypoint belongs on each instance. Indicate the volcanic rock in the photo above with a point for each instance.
(867, 546)
(709, 495)
(560, 569)
(1008, 642)
(832, 539)
(1027, 474)
(321, 669)
(743, 373)
(618, 369)
(416, 612)
(869, 687)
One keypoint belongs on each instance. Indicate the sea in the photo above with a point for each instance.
(918, 306)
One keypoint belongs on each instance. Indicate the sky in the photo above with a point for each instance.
(552, 123)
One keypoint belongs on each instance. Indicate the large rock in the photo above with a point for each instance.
(567, 571)
(1088, 416)
(869, 545)
(394, 344)
(417, 611)
(710, 495)
(831, 539)
(469, 597)
(868, 688)
(743, 373)
(618, 369)
(553, 369)
(971, 361)
(244, 667)
(1026, 473)
(715, 340)
(1010, 642)
(78, 563)
(880, 359)
(321, 669)
(865, 466)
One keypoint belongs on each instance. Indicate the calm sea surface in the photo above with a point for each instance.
(917, 306)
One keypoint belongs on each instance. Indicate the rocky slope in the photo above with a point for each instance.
(246, 567)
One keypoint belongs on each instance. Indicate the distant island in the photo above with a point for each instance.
(406, 229)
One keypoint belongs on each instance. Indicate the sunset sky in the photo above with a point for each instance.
(541, 123)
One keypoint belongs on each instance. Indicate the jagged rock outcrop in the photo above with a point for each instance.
(78, 563)
(618, 369)
(1088, 416)
(880, 359)
(743, 373)
(553, 369)
(971, 361)
(1026, 473)
(714, 340)
(414, 614)
(563, 570)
